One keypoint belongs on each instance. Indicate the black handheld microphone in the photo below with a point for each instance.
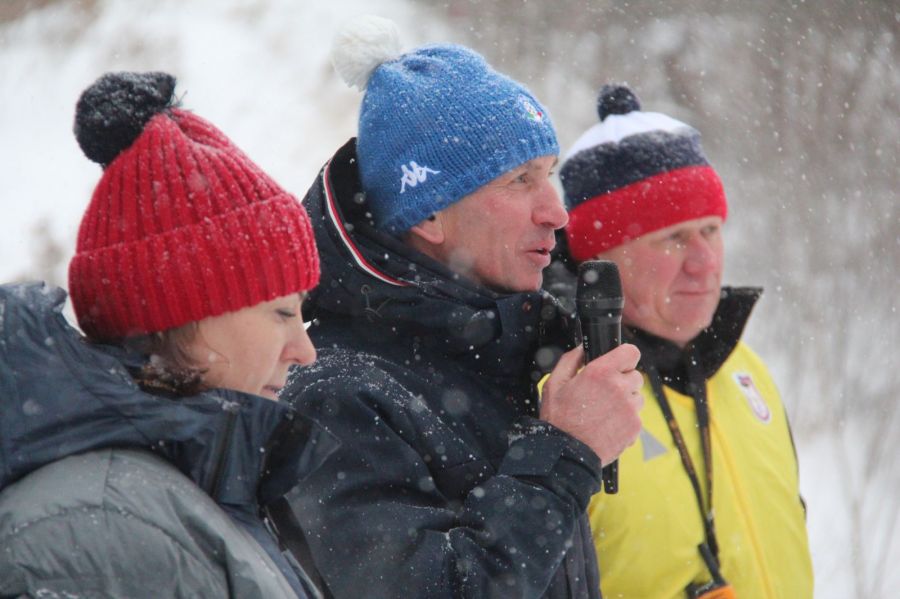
(599, 303)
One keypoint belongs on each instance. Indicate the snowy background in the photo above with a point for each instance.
(798, 103)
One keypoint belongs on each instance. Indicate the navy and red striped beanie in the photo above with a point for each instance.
(633, 173)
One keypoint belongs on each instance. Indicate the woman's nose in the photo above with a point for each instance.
(300, 348)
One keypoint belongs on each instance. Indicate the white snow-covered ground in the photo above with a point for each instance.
(259, 70)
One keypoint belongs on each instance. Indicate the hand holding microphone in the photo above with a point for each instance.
(599, 303)
(598, 404)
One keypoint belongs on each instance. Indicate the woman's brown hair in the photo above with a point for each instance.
(170, 367)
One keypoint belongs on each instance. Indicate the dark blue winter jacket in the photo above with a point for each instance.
(71, 416)
(446, 484)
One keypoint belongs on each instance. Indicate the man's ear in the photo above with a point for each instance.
(430, 230)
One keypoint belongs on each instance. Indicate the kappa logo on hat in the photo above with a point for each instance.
(531, 110)
(414, 174)
(753, 396)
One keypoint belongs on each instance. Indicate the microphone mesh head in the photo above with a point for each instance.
(598, 278)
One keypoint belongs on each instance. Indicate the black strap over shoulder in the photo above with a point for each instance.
(280, 517)
(698, 389)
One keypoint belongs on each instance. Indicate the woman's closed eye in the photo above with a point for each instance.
(710, 230)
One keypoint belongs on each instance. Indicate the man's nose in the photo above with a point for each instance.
(701, 256)
(549, 210)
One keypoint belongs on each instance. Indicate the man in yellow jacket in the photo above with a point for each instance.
(708, 502)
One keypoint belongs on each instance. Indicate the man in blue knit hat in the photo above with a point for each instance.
(434, 227)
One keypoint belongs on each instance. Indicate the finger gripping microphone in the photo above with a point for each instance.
(599, 303)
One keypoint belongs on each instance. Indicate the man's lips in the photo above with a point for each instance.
(543, 247)
(540, 256)
(697, 292)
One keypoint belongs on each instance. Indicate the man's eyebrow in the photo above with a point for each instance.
(531, 165)
(534, 165)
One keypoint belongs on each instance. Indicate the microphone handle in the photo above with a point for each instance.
(600, 334)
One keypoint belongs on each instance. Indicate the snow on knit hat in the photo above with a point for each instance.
(436, 123)
(182, 225)
(633, 173)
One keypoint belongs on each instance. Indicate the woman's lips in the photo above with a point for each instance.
(271, 391)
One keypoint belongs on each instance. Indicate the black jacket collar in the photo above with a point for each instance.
(708, 350)
(367, 274)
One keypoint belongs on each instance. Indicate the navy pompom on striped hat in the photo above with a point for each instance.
(633, 173)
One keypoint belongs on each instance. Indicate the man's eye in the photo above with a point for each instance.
(286, 313)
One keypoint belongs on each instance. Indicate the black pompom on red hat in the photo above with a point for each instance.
(112, 112)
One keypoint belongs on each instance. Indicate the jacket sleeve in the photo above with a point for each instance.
(102, 553)
(383, 521)
(123, 523)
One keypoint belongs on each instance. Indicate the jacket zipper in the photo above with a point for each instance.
(221, 456)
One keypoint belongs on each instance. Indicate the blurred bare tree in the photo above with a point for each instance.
(48, 256)
(13, 9)
(799, 106)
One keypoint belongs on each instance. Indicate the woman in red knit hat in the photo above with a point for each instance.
(147, 458)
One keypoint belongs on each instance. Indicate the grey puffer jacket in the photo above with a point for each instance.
(109, 491)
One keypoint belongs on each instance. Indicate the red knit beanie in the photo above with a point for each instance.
(182, 225)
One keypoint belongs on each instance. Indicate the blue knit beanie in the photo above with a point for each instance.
(436, 123)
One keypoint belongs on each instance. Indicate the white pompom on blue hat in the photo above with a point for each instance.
(435, 125)
(357, 50)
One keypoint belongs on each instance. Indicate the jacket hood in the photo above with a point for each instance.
(61, 395)
(375, 278)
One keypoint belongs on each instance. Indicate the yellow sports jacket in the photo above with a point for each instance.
(647, 535)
